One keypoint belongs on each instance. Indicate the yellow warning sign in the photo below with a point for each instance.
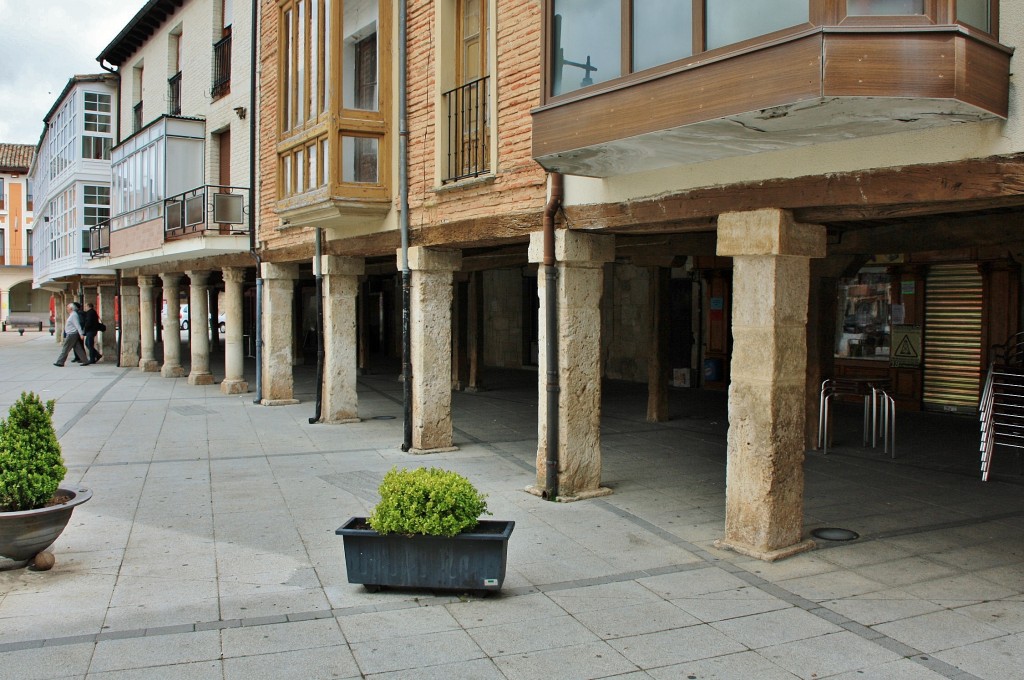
(905, 347)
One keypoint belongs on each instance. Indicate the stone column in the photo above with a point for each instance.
(129, 324)
(341, 287)
(430, 325)
(234, 351)
(764, 474)
(199, 328)
(147, 341)
(278, 348)
(172, 367)
(580, 262)
(107, 340)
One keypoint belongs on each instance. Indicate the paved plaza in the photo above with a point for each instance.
(208, 549)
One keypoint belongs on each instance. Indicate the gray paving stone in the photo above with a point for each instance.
(533, 635)
(580, 662)
(939, 630)
(326, 662)
(636, 620)
(742, 665)
(157, 651)
(827, 655)
(666, 648)
(405, 653)
(775, 627)
(280, 637)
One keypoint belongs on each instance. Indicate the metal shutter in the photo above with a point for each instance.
(952, 338)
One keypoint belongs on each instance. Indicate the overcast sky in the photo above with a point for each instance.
(42, 44)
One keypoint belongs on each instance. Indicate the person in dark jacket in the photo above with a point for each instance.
(91, 325)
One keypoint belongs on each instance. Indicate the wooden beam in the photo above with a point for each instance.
(886, 193)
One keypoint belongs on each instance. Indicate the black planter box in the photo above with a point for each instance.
(470, 561)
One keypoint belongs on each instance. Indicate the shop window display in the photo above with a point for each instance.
(864, 316)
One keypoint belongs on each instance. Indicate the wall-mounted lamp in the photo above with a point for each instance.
(240, 112)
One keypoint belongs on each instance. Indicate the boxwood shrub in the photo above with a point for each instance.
(31, 465)
(427, 501)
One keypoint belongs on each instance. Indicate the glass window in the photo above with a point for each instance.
(864, 315)
(732, 21)
(884, 7)
(662, 32)
(587, 43)
(360, 55)
(977, 13)
(97, 112)
(359, 159)
(96, 148)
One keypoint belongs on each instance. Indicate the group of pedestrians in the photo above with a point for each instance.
(80, 330)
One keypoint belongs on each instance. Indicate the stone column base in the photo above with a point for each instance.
(149, 366)
(767, 556)
(442, 449)
(200, 379)
(234, 387)
(579, 496)
(279, 402)
(172, 371)
(341, 421)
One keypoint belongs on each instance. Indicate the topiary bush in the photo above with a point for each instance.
(31, 465)
(427, 501)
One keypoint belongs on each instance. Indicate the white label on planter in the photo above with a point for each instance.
(490, 581)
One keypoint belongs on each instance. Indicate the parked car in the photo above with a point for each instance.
(183, 319)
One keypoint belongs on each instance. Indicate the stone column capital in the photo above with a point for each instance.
(274, 270)
(769, 231)
(171, 279)
(234, 274)
(336, 265)
(147, 281)
(198, 277)
(422, 258)
(575, 248)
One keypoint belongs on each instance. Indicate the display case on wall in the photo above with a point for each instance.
(865, 315)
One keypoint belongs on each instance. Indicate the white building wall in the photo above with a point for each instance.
(936, 145)
(53, 258)
(199, 24)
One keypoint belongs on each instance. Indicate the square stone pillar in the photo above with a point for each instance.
(106, 341)
(129, 309)
(234, 350)
(580, 261)
(278, 352)
(341, 287)
(147, 339)
(199, 328)
(172, 367)
(430, 325)
(764, 474)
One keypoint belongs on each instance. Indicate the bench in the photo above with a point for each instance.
(21, 323)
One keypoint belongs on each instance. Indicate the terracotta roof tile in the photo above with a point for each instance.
(16, 157)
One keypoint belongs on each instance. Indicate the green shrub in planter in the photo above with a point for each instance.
(427, 501)
(31, 465)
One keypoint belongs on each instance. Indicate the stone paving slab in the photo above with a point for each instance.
(208, 549)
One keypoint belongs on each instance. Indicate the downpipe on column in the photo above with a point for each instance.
(120, 313)
(551, 337)
(253, 42)
(318, 273)
(403, 190)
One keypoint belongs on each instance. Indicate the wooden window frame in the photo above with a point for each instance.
(460, 40)
(821, 13)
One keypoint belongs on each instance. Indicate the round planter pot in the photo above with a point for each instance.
(25, 533)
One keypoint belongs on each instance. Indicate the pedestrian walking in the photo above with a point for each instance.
(91, 326)
(73, 333)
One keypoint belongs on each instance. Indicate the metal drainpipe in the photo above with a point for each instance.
(551, 336)
(318, 272)
(403, 190)
(120, 312)
(253, 152)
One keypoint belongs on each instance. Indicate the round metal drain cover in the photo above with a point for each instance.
(834, 534)
(383, 418)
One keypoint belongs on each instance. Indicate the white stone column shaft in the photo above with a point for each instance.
(147, 338)
(764, 473)
(341, 287)
(129, 309)
(430, 326)
(234, 351)
(107, 340)
(278, 322)
(172, 367)
(580, 261)
(199, 333)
